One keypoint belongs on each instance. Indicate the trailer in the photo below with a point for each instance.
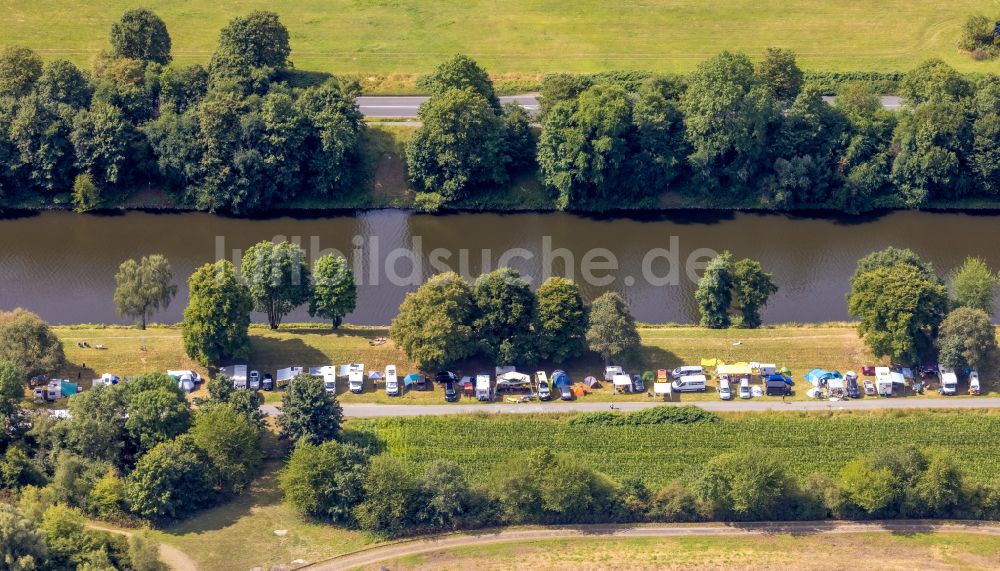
(484, 390)
(883, 381)
(285, 376)
(237, 374)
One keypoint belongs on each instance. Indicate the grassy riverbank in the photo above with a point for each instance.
(801, 348)
(389, 43)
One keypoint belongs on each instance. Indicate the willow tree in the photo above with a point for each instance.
(144, 287)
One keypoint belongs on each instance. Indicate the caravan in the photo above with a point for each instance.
(391, 381)
(329, 375)
(883, 382)
(355, 377)
(285, 376)
(484, 390)
(949, 381)
(237, 374)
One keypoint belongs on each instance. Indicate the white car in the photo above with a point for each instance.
(725, 391)
(254, 380)
(745, 389)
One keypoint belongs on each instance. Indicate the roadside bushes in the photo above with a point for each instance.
(647, 416)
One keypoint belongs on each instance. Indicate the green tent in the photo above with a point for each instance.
(67, 388)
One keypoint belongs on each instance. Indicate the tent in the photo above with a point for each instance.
(374, 376)
(592, 382)
(623, 382)
(819, 377)
(579, 390)
(68, 389)
(785, 371)
(410, 379)
(736, 369)
(712, 362)
(560, 378)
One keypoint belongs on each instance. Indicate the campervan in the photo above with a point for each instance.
(690, 383)
(883, 381)
(285, 376)
(253, 381)
(974, 382)
(611, 371)
(391, 381)
(949, 381)
(686, 371)
(725, 391)
(329, 375)
(484, 392)
(356, 378)
(237, 374)
(544, 391)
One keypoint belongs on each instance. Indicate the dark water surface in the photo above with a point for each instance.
(62, 265)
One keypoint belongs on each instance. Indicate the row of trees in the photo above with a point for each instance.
(223, 138)
(447, 320)
(352, 483)
(275, 280)
(907, 313)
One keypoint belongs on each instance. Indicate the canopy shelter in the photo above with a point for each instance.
(68, 389)
(374, 376)
(735, 370)
(622, 383)
(592, 382)
(560, 379)
(411, 379)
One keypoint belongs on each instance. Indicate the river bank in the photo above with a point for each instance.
(798, 347)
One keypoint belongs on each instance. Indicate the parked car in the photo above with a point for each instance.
(725, 391)
(565, 392)
(267, 383)
(686, 371)
(852, 385)
(690, 383)
(637, 385)
(446, 377)
(869, 387)
(745, 389)
(450, 393)
(775, 385)
(544, 391)
(254, 380)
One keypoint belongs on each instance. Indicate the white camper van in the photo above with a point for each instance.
(391, 381)
(484, 392)
(949, 381)
(690, 383)
(356, 378)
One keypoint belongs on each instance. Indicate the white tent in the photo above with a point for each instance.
(623, 382)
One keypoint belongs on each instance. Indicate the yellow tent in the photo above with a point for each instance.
(734, 369)
(712, 362)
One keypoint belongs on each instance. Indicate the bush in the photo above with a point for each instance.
(647, 416)
(428, 202)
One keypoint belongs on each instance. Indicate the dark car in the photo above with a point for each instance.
(450, 393)
(852, 388)
(446, 377)
(637, 385)
(777, 385)
(565, 392)
(267, 383)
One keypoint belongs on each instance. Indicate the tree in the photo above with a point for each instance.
(974, 285)
(277, 278)
(977, 33)
(86, 194)
(505, 309)
(779, 71)
(460, 145)
(389, 491)
(753, 286)
(182, 88)
(714, 292)
(107, 146)
(325, 481)
(730, 486)
(940, 490)
(460, 72)
(333, 156)
(967, 338)
(231, 441)
(560, 320)
(172, 480)
(62, 83)
(935, 143)
(445, 498)
(934, 80)
(334, 293)
(144, 552)
(140, 34)
(144, 287)
(217, 318)
(520, 139)
(22, 545)
(611, 332)
(27, 341)
(872, 489)
(11, 395)
(220, 388)
(156, 416)
(899, 311)
(308, 412)
(250, 48)
(44, 151)
(96, 427)
(728, 116)
(20, 68)
(890, 257)
(434, 323)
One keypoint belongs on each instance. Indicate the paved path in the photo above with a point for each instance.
(393, 106)
(398, 550)
(368, 410)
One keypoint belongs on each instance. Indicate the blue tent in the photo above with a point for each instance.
(410, 379)
(787, 380)
(68, 389)
(560, 379)
(819, 377)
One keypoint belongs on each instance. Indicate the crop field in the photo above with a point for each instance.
(529, 36)
(804, 442)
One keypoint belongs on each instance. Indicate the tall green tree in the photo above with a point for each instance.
(730, 486)
(505, 311)
(781, 74)
(155, 416)
(714, 292)
(217, 318)
(334, 293)
(20, 68)
(144, 287)
(753, 287)
(308, 412)
(561, 320)
(899, 310)
(250, 49)
(29, 343)
(460, 72)
(890, 257)
(277, 278)
(985, 159)
(22, 545)
(390, 489)
(172, 480)
(333, 141)
(11, 394)
(434, 326)
(106, 145)
(62, 83)
(460, 145)
(967, 338)
(325, 481)
(182, 88)
(973, 284)
(231, 441)
(141, 34)
(611, 332)
(934, 80)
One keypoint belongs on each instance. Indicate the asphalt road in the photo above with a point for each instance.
(406, 107)
(370, 410)
(402, 549)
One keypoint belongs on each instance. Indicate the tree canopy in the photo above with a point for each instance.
(505, 309)
(967, 338)
(27, 342)
(277, 278)
(144, 287)
(140, 34)
(334, 293)
(561, 320)
(611, 333)
(308, 412)
(217, 318)
(974, 285)
(434, 324)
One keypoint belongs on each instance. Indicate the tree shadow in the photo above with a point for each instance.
(268, 354)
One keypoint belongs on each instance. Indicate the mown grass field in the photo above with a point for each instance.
(803, 442)
(528, 37)
(777, 551)
(800, 348)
